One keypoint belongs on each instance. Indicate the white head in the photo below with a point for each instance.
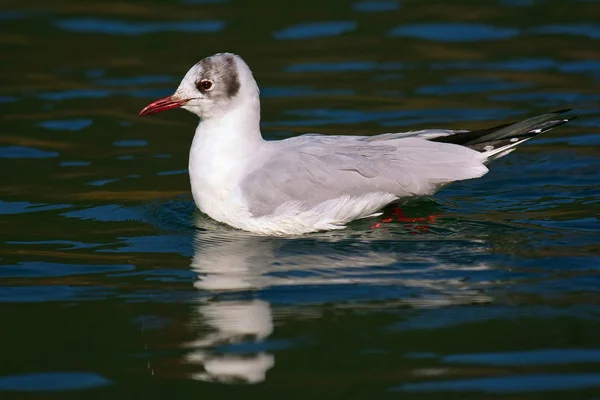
(214, 86)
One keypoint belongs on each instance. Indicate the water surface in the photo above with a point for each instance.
(113, 285)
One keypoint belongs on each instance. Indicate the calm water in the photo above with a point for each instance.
(113, 286)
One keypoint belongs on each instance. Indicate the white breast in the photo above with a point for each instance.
(219, 156)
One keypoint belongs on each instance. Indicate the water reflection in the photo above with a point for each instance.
(83, 238)
(229, 263)
(237, 274)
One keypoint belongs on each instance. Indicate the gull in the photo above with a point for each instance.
(315, 182)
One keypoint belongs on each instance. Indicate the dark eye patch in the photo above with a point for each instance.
(230, 78)
(222, 71)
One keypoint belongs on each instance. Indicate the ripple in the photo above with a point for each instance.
(287, 92)
(174, 172)
(76, 94)
(471, 85)
(345, 66)
(159, 275)
(8, 99)
(25, 152)
(179, 244)
(454, 32)
(376, 6)
(71, 244)
(137, 80)
(580, 66)
(438, 318)
(534, 357)
(46, 269)
(394, 117)
(109, 212)
(121, 27)
(12, 14)
(21, 207)
(101, 182)
(38, 294)
(149, 93)
(95, 73)
(249, 347)
(75, 163)
(151, 322)
(205, 1)
(51, 381)
(525, 65)
(589, 30)
(517, 3)
(509, 384)
(544, 98)
(315, 30)
(584, 140)
(130, 143)
(66, 125)
(517, 64)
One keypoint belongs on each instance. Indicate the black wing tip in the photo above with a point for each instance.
(556, 123)
(563, 111)
(571, 118)
(470, 138)
(567, 118)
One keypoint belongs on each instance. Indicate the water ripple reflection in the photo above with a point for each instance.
(113, 286)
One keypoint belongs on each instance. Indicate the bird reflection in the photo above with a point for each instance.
(231, 261)
(233, 268)
(233, 322)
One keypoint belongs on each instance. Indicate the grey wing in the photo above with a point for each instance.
(384, 137)
(312, 169)
(423, 134)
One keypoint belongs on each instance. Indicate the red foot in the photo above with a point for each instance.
(399, 216)
(429, 218)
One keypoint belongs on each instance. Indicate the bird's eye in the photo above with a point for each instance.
(204, 84)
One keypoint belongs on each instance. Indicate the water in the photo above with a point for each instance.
(112, 285)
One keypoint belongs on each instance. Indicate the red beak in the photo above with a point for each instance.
(162, 105)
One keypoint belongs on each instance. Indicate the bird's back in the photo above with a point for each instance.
(309, 170)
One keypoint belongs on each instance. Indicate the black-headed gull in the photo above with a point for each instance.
(316, 182)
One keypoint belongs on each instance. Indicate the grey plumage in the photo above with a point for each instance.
(311, 169)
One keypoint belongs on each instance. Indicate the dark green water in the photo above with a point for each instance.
(113, 286)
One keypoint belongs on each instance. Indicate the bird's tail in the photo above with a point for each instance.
(500, 140)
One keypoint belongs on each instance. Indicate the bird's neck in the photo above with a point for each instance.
(235, 131)
(222, 147)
